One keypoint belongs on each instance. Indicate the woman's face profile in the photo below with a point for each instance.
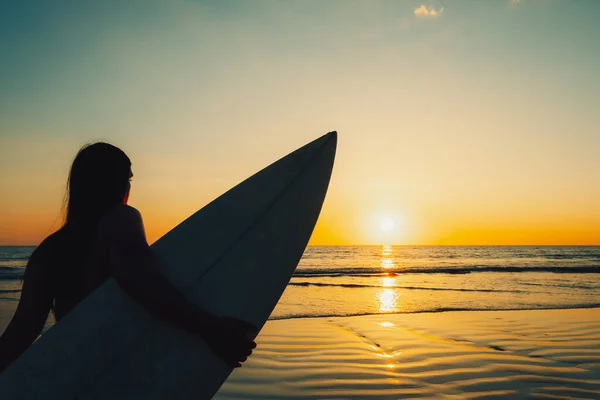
(126, 198)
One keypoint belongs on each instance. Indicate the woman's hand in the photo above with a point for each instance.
(229, 339)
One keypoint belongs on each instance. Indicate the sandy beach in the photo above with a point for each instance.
(541, 354)
(532, 354)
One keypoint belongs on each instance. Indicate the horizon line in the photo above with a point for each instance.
(401, 245)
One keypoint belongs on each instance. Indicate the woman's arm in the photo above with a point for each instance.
(135, 270)
(32, 311)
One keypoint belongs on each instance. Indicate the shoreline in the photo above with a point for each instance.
(449, 310)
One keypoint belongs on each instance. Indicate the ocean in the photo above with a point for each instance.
(362, 280)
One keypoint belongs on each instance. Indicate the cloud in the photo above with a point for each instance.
(513, 3)
(428, 11)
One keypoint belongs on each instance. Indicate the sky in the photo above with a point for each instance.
(460, 122)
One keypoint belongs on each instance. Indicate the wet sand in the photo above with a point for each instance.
(541, 354)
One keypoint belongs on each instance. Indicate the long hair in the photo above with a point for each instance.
(98, 180)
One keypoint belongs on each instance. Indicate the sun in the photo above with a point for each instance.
(386, 224)
(385, 227)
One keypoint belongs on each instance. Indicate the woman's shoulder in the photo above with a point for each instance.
(119, 219)
(52, 241)
(121, 213)
(52, 245)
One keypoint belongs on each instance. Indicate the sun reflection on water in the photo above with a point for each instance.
(386, 250)
(387, 259)
(388, 282)
(387, 297)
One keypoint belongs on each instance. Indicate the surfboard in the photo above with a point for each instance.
(234, 257)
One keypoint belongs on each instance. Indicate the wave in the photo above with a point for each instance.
(370, 272)
(11, 273)
(15, 253)
(14, 257)
(562, 256)
(357, 285)
(435, 310)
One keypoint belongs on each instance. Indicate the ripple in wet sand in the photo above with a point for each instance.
(550, 354)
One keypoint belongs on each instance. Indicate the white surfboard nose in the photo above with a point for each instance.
(329, 141)
(207, 235)
(331, 138)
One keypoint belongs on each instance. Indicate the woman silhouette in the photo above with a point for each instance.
(102, 236)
